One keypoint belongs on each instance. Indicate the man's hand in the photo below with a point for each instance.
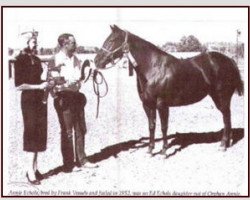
(72, 82)
(58, 67)
(73, 86)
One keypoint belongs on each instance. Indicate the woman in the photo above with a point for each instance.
(28, 72)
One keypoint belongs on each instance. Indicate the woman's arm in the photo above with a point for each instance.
(26, 86)
(20, 71)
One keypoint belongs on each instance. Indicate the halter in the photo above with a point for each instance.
(125, 50)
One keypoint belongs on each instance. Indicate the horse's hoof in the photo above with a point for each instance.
(225, 143)
(231, 142)
(163, 151)
(150, 150)
(223, 148)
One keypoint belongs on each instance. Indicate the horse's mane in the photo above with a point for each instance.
(150, 45)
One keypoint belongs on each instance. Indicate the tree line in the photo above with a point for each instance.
(186, 44)
(192, 44)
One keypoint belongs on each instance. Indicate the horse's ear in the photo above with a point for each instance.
(112, 27)
(116, 27)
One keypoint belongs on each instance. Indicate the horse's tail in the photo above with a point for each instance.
(240, 87)
(239, 82)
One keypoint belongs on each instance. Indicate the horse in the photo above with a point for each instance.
(165, 81)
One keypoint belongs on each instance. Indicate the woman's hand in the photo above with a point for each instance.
(43, 85)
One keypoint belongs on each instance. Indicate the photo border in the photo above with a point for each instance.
(107, 6)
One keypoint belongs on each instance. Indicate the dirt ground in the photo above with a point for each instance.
(118, 140)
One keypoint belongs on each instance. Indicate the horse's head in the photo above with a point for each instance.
(113, 47)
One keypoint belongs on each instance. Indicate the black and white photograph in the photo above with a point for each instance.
(125, 101)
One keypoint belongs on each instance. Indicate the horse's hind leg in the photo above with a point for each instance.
(222, 102)
(226, 137)
(151, 114)
(164, 113)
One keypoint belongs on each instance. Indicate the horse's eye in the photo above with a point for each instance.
(111, 41)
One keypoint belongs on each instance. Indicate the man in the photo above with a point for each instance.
(69, 106)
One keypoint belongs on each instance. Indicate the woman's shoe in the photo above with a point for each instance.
(38, 175)
(34, 182)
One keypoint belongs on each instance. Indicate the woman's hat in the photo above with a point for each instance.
(25, 37)
(28, 35)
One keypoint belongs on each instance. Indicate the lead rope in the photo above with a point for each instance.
(96, 85)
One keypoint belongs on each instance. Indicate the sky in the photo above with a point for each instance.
(157, 25)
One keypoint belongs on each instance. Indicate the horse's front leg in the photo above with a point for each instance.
(151, 114)
(164, 113)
